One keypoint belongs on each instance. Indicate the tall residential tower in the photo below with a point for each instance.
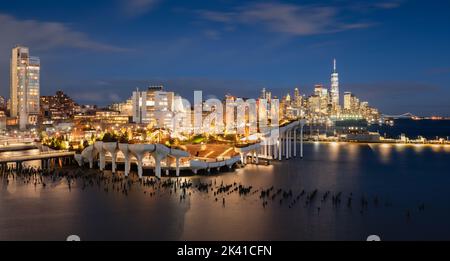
(335, 87)
(153, 107)
(24, 86)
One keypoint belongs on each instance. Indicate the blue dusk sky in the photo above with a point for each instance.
(393, 53)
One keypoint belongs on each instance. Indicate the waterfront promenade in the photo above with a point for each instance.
(12, 144)
(44, 156)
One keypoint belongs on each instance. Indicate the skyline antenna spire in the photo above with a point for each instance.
(335, 86)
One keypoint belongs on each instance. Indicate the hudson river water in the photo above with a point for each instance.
(394, 180)
(429, 129)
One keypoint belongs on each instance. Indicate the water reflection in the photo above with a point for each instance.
(447, 148)
(351, 170)
(419, 148)
(353, 151)
(400, 147)
(334, 151)
(436, 148)
(385, 151)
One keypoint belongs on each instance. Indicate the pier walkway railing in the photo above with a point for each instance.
(38, 156)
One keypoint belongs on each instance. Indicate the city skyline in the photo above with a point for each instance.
(25, 100)
(381, 71)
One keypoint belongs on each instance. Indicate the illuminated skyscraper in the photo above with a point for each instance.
(296, 93)
(24, 87)
(297, 98)
(334, 87)
(348, 96)
(268, 96)
(263, 93)
(153, 106)
(320, 91)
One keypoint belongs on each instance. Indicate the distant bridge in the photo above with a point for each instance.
(407, 115)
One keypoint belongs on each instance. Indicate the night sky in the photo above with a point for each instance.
(395, 54)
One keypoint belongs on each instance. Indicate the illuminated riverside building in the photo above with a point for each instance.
(102, 117)
(24, 87)
(153, 107)
(124, 108)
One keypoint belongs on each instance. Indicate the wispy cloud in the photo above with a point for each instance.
(364, 7)
(138, 7)
(293, 19)
(438, 71)
(212, 34)
(388, 4)
(42, 37)
(286, 18)
(45, 35)
(224, 17)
